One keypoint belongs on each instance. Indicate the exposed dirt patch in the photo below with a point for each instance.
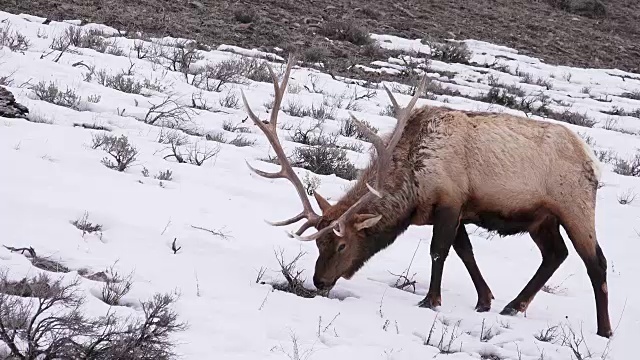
(536, 28)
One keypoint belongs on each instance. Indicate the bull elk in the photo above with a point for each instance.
(448, 168)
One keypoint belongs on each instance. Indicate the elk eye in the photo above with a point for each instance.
(341, 247)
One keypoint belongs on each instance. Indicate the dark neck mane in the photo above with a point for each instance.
(381, 236)
(397, 207)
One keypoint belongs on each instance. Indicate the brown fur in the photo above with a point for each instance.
(501, 172)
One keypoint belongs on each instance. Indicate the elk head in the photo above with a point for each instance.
(342, 228)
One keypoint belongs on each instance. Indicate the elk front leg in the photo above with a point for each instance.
(462, 246)
(445, 225)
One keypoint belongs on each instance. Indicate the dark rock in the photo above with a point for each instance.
(9, 107)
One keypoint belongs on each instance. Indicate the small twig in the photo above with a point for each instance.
(213, 232)
(326, 327)
(406, 282)
(264, 301)
(173, 246)
(165, 227)
(260, 275)
(381, 300)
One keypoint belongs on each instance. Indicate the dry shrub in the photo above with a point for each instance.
(628, 167)
(119, 148)
(14, 40)
(345, 31)
(51, 325)
(572, 117)
(40, 262)
(294, 282)
(325, 160)
(52, 94)
(450, 52)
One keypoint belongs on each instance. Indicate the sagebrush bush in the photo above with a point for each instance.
(635, 95)
(294, 108)
(574, 118)
(500, 96)
(184, 152)
(213, 77)
(315, 54)
(350, 129)
(345, 31)
(313, 135)
(325, 160)
(119, 148)
(230, 100)
(242, 141)
(116, 287)
(85, 225)
(168, 112)
(52, 94)
(41, 318)
(628, 167)
(14, 40)
(91, 39)
(451, 52)
(182, 56)
(166, 175)
(120, 82)
(228, 125)
(217, 137)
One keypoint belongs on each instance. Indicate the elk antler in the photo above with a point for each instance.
(286, 171)
(384, 159)
(384, 152)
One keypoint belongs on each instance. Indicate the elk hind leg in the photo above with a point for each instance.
(554, 252)
(462, 246)
(586, 245)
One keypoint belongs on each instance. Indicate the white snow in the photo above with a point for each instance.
(51, 176)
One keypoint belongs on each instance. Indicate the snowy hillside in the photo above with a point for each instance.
(199, 229)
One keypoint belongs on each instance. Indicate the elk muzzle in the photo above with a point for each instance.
(322, 283)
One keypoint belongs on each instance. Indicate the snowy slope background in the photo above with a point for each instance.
(51, 176)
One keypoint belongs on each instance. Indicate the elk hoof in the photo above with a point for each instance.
(483, 307)
(484, 302)
(509, 311)
(430, 302)
(605, 333)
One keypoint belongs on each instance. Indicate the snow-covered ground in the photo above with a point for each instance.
(51, 176)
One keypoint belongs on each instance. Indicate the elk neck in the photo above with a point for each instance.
(397, 207)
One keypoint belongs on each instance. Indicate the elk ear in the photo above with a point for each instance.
(364, 221)
(322, 202)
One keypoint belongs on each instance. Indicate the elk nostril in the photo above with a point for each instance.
(319, 284)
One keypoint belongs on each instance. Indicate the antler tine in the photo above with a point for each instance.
(315, 235)
(286, 171)
(394, 102)
(287, 221)
(403, 114)
(279, 90)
